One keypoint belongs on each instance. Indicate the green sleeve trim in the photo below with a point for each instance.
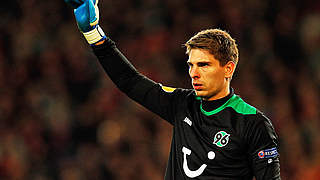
(234, 102)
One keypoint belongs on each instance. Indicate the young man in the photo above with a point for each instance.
(216, 135)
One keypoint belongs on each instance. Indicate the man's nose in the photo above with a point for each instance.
(194, 73)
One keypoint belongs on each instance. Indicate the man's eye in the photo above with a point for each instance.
(203, 64)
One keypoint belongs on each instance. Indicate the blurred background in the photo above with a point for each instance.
(61, 118)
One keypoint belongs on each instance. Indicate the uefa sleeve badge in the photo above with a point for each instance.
(268, 153)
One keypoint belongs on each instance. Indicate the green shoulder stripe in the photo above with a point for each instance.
(234, 102)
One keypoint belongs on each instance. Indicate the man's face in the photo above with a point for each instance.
(208, 77)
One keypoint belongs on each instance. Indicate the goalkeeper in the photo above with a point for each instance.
(216, 134)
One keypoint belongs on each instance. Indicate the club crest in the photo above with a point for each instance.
(221, 139)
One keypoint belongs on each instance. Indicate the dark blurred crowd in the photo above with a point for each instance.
(62, 118)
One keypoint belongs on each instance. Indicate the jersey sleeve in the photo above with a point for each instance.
(263, 149)
(155, 97)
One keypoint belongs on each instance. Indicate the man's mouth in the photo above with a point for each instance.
(197, 86)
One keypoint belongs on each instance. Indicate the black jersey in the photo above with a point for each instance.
(225, 139)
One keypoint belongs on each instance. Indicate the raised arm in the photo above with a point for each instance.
(160, 100)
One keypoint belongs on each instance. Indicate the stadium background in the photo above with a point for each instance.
(62, 118)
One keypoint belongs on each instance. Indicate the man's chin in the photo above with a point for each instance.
(200, 93)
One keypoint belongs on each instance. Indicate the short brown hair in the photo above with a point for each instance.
(218, 42)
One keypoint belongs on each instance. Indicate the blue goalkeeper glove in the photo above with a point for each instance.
(87, 16)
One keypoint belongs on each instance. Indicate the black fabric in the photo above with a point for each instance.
(223, 146)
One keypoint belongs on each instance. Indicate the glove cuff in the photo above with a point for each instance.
(94, 35)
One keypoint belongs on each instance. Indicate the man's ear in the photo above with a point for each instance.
(229, 69)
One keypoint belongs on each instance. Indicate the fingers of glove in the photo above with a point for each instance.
(87, 15)
(94, 12)
(74, 3)
(83, 17)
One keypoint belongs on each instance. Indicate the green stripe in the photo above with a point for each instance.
(234, 102)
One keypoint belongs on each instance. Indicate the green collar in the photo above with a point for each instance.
(234, 102)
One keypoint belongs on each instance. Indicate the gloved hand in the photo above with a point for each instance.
(87, 16)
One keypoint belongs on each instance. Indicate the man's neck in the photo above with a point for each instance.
(214, 104)
(225, 92)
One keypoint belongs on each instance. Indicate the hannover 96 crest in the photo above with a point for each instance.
(221, 139)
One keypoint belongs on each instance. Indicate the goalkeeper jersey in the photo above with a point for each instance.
(225, 139)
